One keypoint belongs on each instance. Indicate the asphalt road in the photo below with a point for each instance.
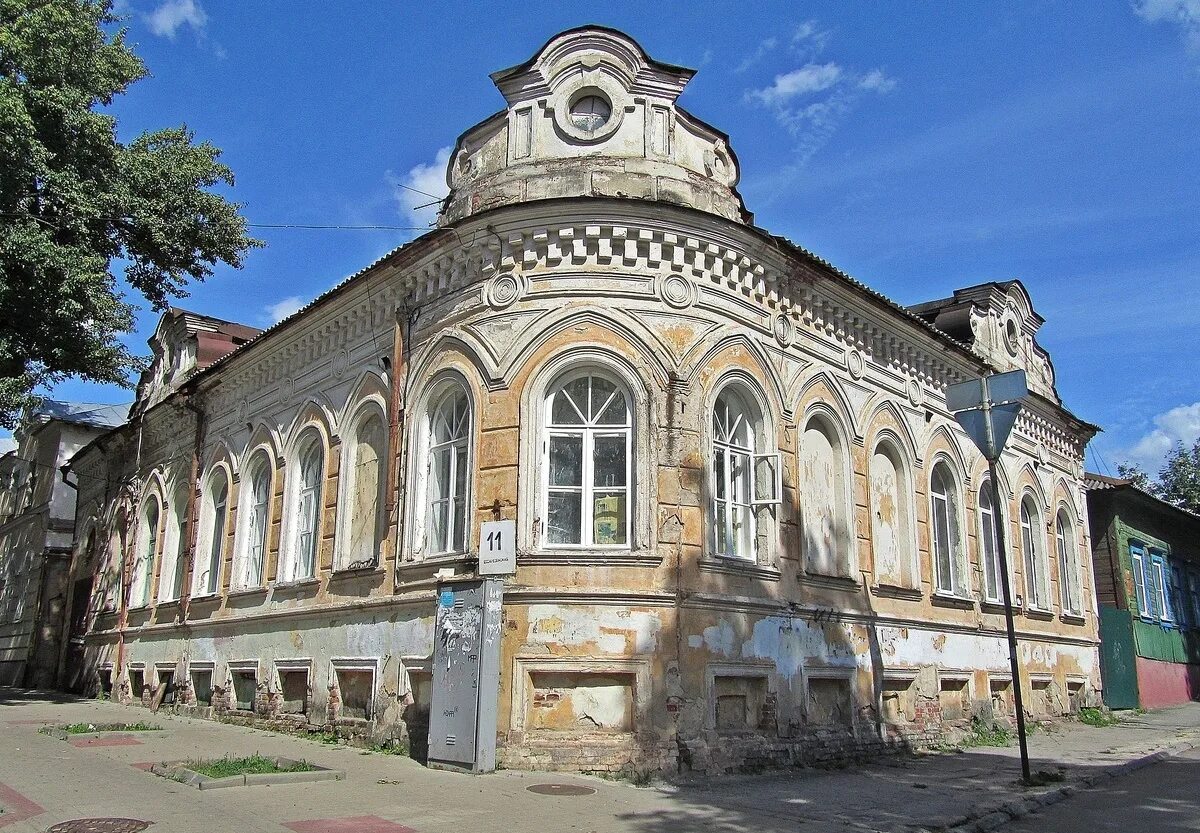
(1163, 798)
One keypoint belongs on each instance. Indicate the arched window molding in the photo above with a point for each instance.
(826, 502)
(532, 527)
(1067, 550)
(947, 549)
(214, 523)
(744, 474)
(305, 506)
(1033, 555)
(170, 580)
(254, 519)
(147, 550)
(893, 519)
(443, 469)
(362, 481)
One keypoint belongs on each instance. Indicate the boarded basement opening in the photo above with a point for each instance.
(953, 698)
(1002, 699)
(739, 702)
(581, 701)
(829, 702)
(899, 702)
(202, 685)
(245, 686)
(355, 687)
(293, 686)
(137, 681)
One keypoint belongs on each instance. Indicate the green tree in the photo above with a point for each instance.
(73, 199)
(1178, 480)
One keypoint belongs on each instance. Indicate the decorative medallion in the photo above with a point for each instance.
(287, 387)
(339, 363)
(240, 412)
(678, 292)
(1042, 456)
(784, 330)
(915, 395)
(854, 362)
(504, 290)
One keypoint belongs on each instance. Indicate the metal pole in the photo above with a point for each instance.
(998, 522)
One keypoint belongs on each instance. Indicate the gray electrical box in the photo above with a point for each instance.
(466, 675)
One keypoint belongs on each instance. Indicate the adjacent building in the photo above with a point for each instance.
(37, 533)
(748, 530)
(1146, 558)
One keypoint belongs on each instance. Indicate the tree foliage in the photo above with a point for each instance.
(1178, 480)
(73, 199)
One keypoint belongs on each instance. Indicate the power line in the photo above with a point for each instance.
(342, 228)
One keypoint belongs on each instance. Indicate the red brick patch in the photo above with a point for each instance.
(81, 742)
(17, 807)
(352, 824)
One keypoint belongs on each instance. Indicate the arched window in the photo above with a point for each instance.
(989, 544)
(1033, 556)
(824, 500)
(364, 493)
(945, 513)
(214, 516)
(170, 580)
(891, 519)
(255, 511)
(588, 459)
(442, 523)
(1068, 563)
(745, 478)
(308, 472)
(143, 570)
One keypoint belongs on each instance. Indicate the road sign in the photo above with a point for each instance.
(987, 408)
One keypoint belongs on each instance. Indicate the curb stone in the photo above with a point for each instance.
(991, 818)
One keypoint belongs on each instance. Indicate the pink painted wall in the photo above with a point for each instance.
(1163, 684)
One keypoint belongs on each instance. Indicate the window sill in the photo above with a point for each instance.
(606, 557)
(997, 606)
(205, 597)
(166, 604)
(351, 572)
(440, 560)
(242, 592)
(1073, 618)
(738, 567)
(950, 600)
(298, 588)
(1039, 613)
(897, 591)
(832, 582)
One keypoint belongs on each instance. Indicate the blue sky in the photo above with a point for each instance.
(920, 147)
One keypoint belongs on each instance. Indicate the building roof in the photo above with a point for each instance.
(93, 414)
(1093, 482)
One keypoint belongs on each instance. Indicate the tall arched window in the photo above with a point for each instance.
(364, 493)
(587, 466)
(1033, 556)
(1068, 563)
(143, 571)
(448, 471)
(891, 519)
(305, 515)
(255, 510)
(214, 516)
(949, 567)
(745, 477)
(989, 544)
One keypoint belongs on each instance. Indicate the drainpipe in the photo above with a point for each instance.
(69, 600)
(130, 544)
(189, 549)
(396, 455)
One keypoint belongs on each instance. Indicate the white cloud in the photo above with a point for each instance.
(423, 184)
(811, 78)
(282, 309)
(166, 20)
(809, 37)
(876, 81)
(1184, 13)
(758, 54)
(1178, 425)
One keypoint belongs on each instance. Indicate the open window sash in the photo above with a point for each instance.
(767, 479)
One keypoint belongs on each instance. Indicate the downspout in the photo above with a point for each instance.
(396, 413)
(126, 578)
(69, 601)
(189, 549)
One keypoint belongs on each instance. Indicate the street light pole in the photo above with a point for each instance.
(998, 524)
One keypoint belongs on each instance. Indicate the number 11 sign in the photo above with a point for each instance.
(497, 548)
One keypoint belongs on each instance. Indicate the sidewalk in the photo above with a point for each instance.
(44, 781)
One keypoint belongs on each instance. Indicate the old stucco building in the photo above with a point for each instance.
(748, 529)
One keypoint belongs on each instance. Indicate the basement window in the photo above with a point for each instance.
(202, 685)
(899, 705)
(1002, 697)
(953, 698)
(356, 687)
(245, 686)
(137, 681)
(293, 685)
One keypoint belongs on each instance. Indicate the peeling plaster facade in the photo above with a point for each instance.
(748, 529)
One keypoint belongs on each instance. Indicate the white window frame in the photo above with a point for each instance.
(255, 521)
(762, 492)
(1068, 563)
(458, 445)
(143, 571)
(1164, 609)
(1033, 556)
(990, 517)
(171, 579)
(951, 537)
(214, 526)
(300, 563)
(588, 431)
(1137, 559)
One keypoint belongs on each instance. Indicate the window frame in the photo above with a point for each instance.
(1069, 574)
(417, 504)
(1163, 607)
(988, 534)
(345, 552)
(1034, 561)
(147, 550)
(212, 538)
(1138, 555)
(587, 431)
(310, 443)
(953, 535)
(759, 450)
(260, 461)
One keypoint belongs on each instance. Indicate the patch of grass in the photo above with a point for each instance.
(390, 748)
(88, 728)
(636, 777)
(1045, 776)
(1098, 717)
(251, 765)
(330, 738)
(987, 734)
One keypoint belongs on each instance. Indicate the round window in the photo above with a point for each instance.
(590, 112)
(1012, 338)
